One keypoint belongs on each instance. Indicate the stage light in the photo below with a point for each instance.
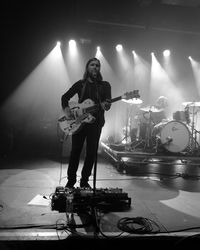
(166, 52)
(72, 48)
(58, 43)
(135, 56)
(133, 52)
(98, 53)
(72, 44)
(119, 47)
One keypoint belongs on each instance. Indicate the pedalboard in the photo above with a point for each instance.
(84, 198)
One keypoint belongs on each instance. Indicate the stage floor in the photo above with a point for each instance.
(168, 195)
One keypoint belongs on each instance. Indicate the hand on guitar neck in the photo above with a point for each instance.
(106, 104)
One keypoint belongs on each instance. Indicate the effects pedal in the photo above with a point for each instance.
(83, 198)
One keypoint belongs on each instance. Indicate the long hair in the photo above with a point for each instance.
(86, 73)
(162, 102)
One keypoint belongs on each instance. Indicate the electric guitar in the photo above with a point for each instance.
(81, 113)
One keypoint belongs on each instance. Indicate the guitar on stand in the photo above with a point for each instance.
(82, 113)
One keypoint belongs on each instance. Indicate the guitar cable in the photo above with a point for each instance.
(61, 141)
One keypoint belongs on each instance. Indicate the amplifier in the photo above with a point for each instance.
(79, 199)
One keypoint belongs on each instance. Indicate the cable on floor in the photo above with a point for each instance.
(138, 225)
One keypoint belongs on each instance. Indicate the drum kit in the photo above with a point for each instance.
(151, 130)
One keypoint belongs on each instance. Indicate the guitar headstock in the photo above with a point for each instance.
(131, 95)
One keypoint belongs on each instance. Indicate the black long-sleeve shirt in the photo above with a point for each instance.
(97, 92)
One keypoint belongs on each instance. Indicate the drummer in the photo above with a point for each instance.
(161, 105)
(157, 112)
(150, 116)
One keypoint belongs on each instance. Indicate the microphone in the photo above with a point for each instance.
(94, 75)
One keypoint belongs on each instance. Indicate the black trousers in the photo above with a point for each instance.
(91, 134)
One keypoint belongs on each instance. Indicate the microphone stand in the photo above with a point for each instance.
(95, 161)
(97, 229)
(94, 215)
(95, 171)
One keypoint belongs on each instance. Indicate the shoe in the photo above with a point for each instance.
(85, 185)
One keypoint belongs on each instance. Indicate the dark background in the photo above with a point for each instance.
(29, 30)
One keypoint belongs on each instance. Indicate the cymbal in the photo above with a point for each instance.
(133, 101)
(151, 108)
(197, 104)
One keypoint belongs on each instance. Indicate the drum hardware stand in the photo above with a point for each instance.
(139, 142)
(127, 131)
(194, 145)
(128, 145)
(192, 135)
(157, 144)
(195, 137)
(148, 134)
(194, 132)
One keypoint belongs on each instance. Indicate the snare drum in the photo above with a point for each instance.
(174, 135)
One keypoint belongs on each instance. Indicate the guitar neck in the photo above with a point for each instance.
(127, 96)
(96, 106)
(116, 99)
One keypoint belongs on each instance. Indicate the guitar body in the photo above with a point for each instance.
(82, 113)
(71, 125)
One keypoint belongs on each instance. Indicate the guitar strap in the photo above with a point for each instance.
(83, 91)
(97, 93)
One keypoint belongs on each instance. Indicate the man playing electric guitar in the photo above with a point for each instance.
(91, 87)
(76, 115)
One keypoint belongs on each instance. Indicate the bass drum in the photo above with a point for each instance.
(174, 136)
